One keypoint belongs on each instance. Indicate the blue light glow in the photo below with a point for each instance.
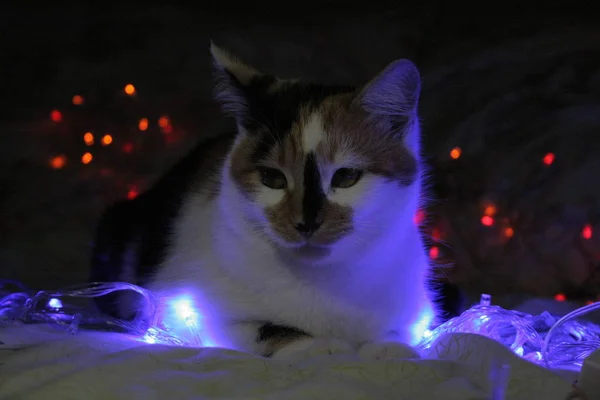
(55, 303)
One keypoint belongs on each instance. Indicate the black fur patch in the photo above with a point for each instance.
(313, 199)
(278, 333)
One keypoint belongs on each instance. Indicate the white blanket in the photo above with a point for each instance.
(39, 362)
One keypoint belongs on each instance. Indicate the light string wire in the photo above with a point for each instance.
(543, 339)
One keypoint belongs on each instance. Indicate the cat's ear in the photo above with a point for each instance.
(233, 77)
(392, 96)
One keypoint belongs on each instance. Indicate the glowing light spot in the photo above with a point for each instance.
(587, 303)
(127, 148)
(419, 217)
(490, 210)
(509, 232)
(55, 303)
(587, 232)
(420, 326)
(106, 140)
(56, 116)
(164, 121)
(77, 100)
(129, 89)
(184, 309)
(86, 158)
(132, 194)
(549, 158)
(455, 153)
(519, 351)
(143, 124)
(427, 333)
(434, 252)
(436, 234)
(487, 220)
(560, 297)
(58, 162)
(88, 138)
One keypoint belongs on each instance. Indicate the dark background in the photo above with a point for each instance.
(507, 84)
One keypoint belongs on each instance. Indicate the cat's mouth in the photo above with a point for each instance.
(311, 251)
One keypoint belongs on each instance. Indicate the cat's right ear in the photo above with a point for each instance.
(233, 79)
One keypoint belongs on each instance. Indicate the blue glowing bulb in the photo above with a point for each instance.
(55, 303)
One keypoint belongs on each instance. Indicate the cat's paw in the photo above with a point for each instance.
(386, 350)
(307, 348)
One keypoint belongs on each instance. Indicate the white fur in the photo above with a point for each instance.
(373, 282)
(312, 134)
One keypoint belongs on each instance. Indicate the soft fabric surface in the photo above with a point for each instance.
(42, 363)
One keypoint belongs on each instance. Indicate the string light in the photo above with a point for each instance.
(87, 158)
(544, 339)
(77, 100)
(143, 124)
(487, 220)
(58, 162)
(509, 232)
(455, 153)
(106, 140)
(56, 116)
(129, 89)
(548, 158)
(587, 232)
(88, 138)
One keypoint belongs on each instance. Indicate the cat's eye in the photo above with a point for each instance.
(346, 177)
(272, 178)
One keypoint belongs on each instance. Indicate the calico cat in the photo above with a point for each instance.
(295, 232)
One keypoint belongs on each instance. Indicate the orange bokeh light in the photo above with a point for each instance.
(164, 121)
(88, 138)
(434, 252)
(87, 158)
(455, 152)
(106, 140)
(129, 89)
(560, 297)
(56, 116)
(77, 100)
(587, 232)
(487, 220)
(490, 210)
(143, 124)
(58, 162)
(509, 232)
(549, 158)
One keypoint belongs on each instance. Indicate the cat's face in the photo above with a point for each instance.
(316, 166)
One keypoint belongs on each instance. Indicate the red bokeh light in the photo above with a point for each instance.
(56, 116)
(549, 158)
(560, 297)
(434, 252)
(487, 220)
(587, 232)
(132, 193)
(419, 217)
(127, 147)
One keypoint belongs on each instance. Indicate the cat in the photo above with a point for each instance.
(293, 232)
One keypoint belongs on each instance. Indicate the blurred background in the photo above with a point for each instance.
(97, 102)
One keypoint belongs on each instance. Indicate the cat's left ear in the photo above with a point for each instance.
(392, 97)
(234, 79)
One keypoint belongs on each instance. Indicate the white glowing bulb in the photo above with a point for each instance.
(55, 303)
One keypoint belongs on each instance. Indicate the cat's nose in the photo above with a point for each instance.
(307, 230)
